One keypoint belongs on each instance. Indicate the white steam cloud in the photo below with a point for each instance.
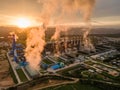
(55, 10)
(35, 46)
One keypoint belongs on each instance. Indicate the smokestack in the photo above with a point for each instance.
(14, 52)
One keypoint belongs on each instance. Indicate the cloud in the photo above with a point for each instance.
(106, 8)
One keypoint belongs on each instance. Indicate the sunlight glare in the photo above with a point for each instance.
(23, 22)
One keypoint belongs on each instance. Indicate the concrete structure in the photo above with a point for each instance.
(57, 66)
(13, 68)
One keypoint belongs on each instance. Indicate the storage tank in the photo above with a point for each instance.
(57, 66)
(54, 67)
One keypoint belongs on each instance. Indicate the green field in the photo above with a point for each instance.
(60, 60)
(22, 76)
(47, 61)
(68, 69)
(13, 75)
(76, 86)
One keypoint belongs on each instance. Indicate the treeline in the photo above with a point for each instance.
(107, 35)
(101, 84)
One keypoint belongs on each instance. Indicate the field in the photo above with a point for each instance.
(76, 86)
(47, 61)
(22, 76)
(5, 77)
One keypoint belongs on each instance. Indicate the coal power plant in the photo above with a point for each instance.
(67, 42)
(59, 45)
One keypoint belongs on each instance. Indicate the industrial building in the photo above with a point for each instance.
(66, 43)
(57, 66)
(18, 57)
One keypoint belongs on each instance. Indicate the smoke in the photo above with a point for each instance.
(85, 7)
(56, 37)
(87, 45)
(53, 11)
(73, 6)
(59, 29)
(88, 27)
(35, 45)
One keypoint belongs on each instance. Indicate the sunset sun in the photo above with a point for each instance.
(23, 22)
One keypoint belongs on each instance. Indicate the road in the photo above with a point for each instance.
(14, 70)
(105, 65)
(66, 67)
(63, 58)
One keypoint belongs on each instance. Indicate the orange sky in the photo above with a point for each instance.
(11, 9)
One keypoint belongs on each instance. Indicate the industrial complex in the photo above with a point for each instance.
(59, 45)
(70, 63)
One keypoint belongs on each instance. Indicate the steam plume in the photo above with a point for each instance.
(85, 7)
(56, 36)
(55, 10)
(35, 45)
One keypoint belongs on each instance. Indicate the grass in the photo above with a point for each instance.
(22, 76)
(89, 62)
(47, 61)
(13, 75)
(69, 69)
(116, 79)
(76, 86)
(85, 74)
(60, 60)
